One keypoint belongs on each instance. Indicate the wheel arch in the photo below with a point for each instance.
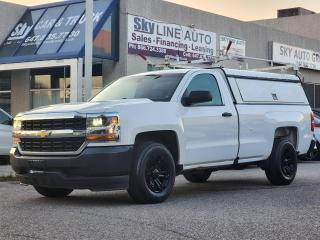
(287, 132)
(168, 138)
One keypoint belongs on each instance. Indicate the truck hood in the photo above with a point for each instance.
(87, 107)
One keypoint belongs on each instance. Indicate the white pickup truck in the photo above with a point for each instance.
(142, 131)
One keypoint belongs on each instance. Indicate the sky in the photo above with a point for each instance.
(245, 10)
(248, 10)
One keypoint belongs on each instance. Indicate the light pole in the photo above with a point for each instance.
(88, 50)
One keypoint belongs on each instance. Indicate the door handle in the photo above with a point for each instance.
(226, 114)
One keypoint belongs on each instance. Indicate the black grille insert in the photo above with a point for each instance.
(51, 144)
(54, 124)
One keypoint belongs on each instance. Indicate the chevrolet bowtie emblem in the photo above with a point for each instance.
(43, 134)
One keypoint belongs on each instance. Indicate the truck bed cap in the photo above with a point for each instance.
(260, 75)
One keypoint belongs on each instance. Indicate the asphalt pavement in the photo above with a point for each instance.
(232, 205)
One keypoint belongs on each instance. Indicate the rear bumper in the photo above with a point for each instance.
(98, 168)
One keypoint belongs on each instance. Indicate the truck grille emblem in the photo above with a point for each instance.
(43, 134)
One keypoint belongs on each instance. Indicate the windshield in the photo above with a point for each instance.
(156, 87)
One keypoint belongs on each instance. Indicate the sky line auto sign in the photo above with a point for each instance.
(158, 39)
(287, 54)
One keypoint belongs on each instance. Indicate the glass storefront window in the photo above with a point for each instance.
(47, 97)
(97, 85)
(97, 79)
(52, 85)
(5, 91)
(41, 82)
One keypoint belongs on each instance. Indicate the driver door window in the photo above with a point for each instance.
(205, 82)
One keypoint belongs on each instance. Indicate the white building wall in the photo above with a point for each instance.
(258, 38)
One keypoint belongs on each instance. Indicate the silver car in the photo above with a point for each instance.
(5, 136)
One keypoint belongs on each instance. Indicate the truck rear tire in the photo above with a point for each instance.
(153, 174)
(53, 192)
(199, 176)
(281, 167)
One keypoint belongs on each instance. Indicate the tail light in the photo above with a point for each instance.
(312, 121)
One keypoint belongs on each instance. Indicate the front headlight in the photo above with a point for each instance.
(103, 127)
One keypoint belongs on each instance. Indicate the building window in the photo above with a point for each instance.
(97, 79)
(97, 85)
(5, 91)
(50, 86)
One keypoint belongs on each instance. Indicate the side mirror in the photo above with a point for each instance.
(197, 97)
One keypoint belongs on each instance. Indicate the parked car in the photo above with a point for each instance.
(5, 136)
(316, 124)
(314, 150)
(142, 131)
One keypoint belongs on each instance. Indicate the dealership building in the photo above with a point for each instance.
(42, 50)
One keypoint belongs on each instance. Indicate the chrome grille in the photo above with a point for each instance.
(52, 136)
(49, 145)
(54, 124)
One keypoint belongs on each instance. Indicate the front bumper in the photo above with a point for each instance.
(96, 168)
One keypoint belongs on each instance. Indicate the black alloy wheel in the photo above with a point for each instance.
(288, 163)
(157, 174)
(281, 168)
(153, 173)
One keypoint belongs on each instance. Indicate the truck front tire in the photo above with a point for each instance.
(153, 174)
(199, 176)
(281, 167)
(53, 192)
